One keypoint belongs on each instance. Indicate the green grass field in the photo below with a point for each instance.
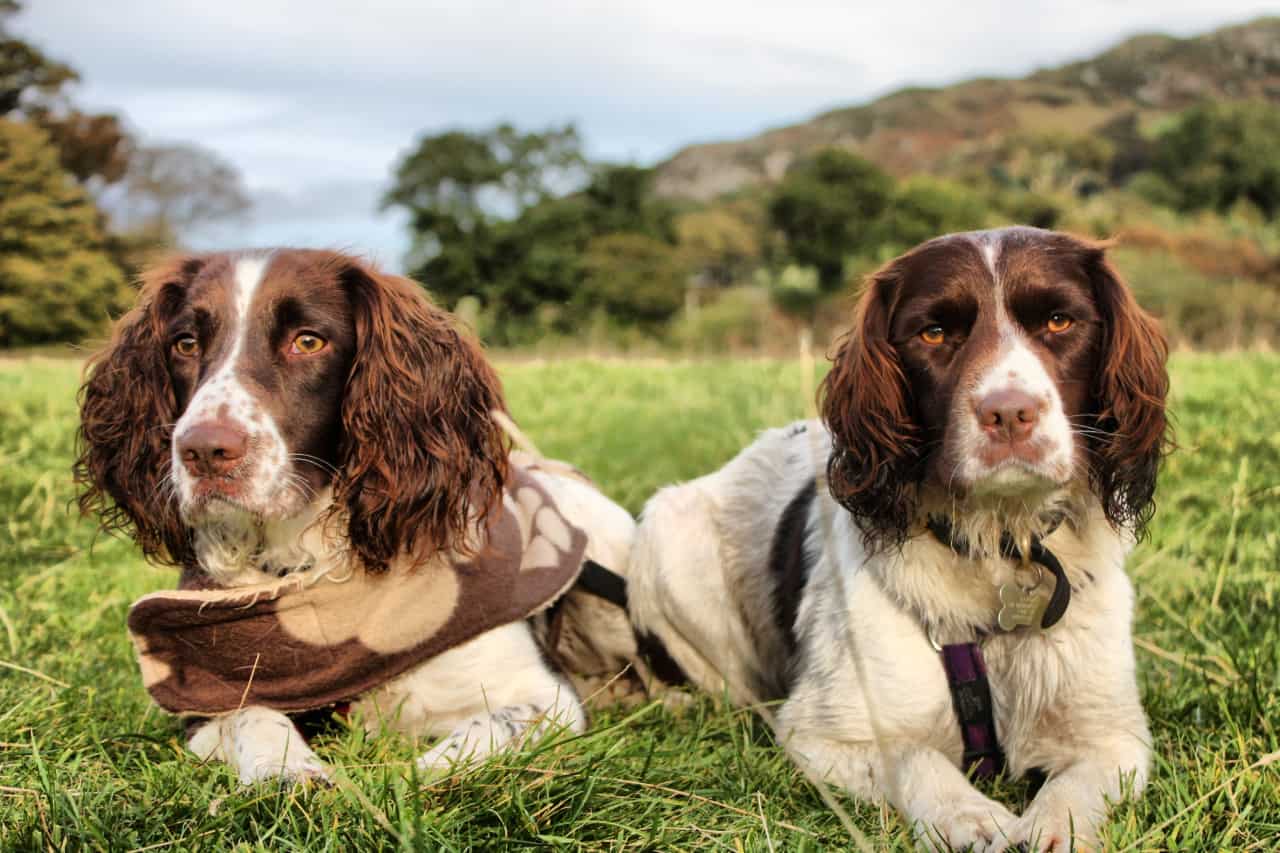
(87, 762)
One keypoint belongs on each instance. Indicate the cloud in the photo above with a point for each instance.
(305, 97)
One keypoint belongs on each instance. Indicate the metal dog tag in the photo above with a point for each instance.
(1023, 607)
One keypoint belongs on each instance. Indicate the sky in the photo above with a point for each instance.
(315, 100)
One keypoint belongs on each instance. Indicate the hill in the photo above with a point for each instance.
(1128, 88)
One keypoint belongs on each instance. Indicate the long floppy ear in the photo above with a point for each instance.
(127, 414)
(874, 464)
(1129, 396)
(423, 461)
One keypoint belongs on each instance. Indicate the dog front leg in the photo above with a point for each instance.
(258, 743)
(945, 811)
(1072, 806)
(475, 739)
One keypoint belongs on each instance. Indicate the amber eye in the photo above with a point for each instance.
(1059, 323)
(307, 344)
(186, 346)
(933, 335)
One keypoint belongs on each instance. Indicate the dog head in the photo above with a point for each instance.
(253, 389)
(996, 371)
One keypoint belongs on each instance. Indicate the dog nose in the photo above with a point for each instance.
(212, 448)
(1008, 415)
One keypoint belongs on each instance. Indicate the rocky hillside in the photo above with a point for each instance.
(942, 130)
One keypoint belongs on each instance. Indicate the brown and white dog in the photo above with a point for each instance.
(259, 414)
(1005, 382)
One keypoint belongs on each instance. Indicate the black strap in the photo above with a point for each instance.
(1061, 597)
(601, 582)
(612, 587)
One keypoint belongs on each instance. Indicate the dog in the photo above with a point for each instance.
(990, 435)
(300, 417)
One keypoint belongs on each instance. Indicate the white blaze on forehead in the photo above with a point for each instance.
(990, 251)
(248, 276)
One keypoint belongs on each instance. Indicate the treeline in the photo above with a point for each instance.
(527, 239)
(531, 242)
(83, 200)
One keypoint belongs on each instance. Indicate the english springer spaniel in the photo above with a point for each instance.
(930, 580)
(266, 414)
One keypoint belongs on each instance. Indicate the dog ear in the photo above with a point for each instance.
(873, 467)
(1129, 398)
(422, 460)
(127, 414)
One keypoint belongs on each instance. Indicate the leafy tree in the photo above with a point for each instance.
(95, 148)
(719, 242)
(56, 281)
(519, 267)
(91, 147)
(24, 69)
(825, 208)
(1216, 154)
(634, 277)
(924, 207)
(475, 177)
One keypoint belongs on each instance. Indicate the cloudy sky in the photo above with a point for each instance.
(314, 100)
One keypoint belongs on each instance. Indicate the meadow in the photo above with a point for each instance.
(86, 762)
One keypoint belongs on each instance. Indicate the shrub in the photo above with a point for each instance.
(57, 282)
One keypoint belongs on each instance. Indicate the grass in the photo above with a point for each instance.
(87, 762)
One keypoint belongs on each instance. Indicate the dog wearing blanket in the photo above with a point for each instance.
(318, 450)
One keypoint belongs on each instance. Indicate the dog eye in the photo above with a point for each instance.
(307, 344)
(186, 346)
(933, 335)
(1059, 322)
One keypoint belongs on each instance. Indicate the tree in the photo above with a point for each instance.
(24, 69)
(521, 268)
(635, 278)
(56, 281)
(461, 189)
(924, 207)
(825, 208)
(169, 189)
(719, 242)
(1216, 154)
(472, 177)
(93, 148)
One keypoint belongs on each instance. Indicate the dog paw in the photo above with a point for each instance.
(451, 753)
(1040, 832)
(974, 823)
(303, 770)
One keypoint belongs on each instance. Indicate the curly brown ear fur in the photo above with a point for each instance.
(876, 458)
(127, 414)
(1129, 394)
(422, 460)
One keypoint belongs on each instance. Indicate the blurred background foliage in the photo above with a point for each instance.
(84, 201)
(1168, 145)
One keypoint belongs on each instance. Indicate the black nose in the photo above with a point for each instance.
(212, 448)
(1008, 415)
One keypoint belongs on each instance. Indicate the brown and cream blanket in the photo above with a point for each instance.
(303, 643)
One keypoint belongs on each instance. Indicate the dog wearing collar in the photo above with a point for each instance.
(928, 583)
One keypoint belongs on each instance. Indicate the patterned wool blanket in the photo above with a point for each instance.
(304, 643)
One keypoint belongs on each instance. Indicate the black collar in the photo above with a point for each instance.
(942, 531)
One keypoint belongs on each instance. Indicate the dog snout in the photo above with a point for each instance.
(1009, 415)
(212, 448)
